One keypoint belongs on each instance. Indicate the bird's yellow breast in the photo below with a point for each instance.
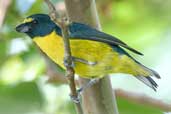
(51, 45)
(108, 61)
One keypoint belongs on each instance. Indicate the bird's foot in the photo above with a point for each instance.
(87, 85)
(75, 99)
(69, 63)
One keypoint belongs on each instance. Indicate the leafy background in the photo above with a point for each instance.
(143, 24)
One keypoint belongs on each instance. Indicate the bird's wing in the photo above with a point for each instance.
(85, 32)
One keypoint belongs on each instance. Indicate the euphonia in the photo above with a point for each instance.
(105, 52)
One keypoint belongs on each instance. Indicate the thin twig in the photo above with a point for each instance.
(68, 64)
(63, 23)
(143, 99)
(53, 13)
(4, 5)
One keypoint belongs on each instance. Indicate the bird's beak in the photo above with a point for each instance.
(23, 28)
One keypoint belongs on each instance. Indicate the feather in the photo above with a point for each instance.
(148, 81)
(85, 32)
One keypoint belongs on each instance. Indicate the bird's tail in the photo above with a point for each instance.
(146, 79)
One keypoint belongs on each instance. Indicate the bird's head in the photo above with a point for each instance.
(37, 25)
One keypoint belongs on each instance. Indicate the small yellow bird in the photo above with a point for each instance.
(96, 53)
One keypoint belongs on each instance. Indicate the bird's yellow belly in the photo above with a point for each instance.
(95, 52)
(107, 60)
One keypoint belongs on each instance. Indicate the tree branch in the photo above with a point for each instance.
(143, 99)
(63, 23)
(130, 96)
(53, 13)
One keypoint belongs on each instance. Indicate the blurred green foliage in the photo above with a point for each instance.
(133, 21)
(21, 98)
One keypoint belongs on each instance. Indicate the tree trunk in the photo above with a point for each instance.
(98, 99)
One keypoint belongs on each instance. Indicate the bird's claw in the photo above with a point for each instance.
(75, 99)
(66, 63)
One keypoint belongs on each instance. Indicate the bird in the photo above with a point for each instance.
(96, 53)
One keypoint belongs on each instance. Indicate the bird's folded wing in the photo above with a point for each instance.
(85, 32)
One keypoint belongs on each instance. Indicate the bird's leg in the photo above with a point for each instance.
(84, 61)
(83, 88)
(76, 59)
(87, 85)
